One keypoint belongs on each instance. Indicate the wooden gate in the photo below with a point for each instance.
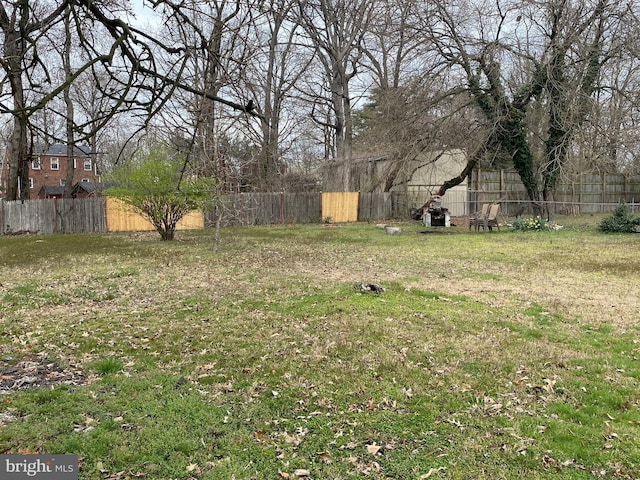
(340, 206)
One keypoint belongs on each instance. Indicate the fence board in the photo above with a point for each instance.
(342, 207)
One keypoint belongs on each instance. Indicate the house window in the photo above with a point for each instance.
(35, 164)
(63, 182)
(87, 164)
(55, 163)
(75, 163)
(85, 180)
(30, 182)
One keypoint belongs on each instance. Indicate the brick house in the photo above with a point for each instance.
(48, 170)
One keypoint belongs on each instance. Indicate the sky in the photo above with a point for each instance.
(144, 13)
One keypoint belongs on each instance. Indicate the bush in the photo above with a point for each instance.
(530, 224)
(620, 222)
(154, 183)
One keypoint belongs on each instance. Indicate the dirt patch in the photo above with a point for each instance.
(33, 373)
(443, 231)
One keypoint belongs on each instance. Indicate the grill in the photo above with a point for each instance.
(436, 215)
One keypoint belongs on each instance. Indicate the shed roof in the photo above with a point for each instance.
(51, 190)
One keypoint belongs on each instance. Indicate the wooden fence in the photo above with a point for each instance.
(53, 216)
(78, 215)
(268, 208)
(577, 194)
(282, 208)
(97, 215)
(587, 193)
(340, 207)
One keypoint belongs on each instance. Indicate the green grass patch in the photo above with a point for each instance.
(487, 356)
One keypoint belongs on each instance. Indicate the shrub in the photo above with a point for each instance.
(620, 222)
(530, 224)
(156, 185)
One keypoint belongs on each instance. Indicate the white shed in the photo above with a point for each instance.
(418, 179)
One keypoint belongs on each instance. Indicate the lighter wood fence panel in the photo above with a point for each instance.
(123, 218)
(340, 206)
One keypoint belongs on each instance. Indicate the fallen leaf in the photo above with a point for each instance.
(431, 472)
(325, 456)
(373, 448)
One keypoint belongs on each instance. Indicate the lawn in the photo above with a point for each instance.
(488, 356)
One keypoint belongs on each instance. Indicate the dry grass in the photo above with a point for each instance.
(489, 355)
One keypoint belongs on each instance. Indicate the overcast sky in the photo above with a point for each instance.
(144, 13)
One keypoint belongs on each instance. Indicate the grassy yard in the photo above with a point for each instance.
(489, 356)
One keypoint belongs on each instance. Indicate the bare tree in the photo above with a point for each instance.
(275, 69)
(514, 55)
(69, 104)
(335, 30)
(21, 24)
(137, 81)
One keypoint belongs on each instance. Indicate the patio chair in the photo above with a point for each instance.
(491, 219)
(479, 217)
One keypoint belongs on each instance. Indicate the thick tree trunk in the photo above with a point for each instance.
(17, 181)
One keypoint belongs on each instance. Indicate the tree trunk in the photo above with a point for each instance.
(17, 181)
(69, 122)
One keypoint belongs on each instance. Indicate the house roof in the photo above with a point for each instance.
(57, 149)
(60, 150)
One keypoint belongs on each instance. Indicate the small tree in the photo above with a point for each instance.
(622, 221)
(155, 186)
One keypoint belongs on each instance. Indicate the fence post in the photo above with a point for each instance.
(282, 207)
(603, 187)
(241, 208)
(55, 215)
(393, 203)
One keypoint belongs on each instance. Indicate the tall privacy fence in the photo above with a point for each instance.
(284, 208)
(77, 215)
(99, 215)
(584, 193)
